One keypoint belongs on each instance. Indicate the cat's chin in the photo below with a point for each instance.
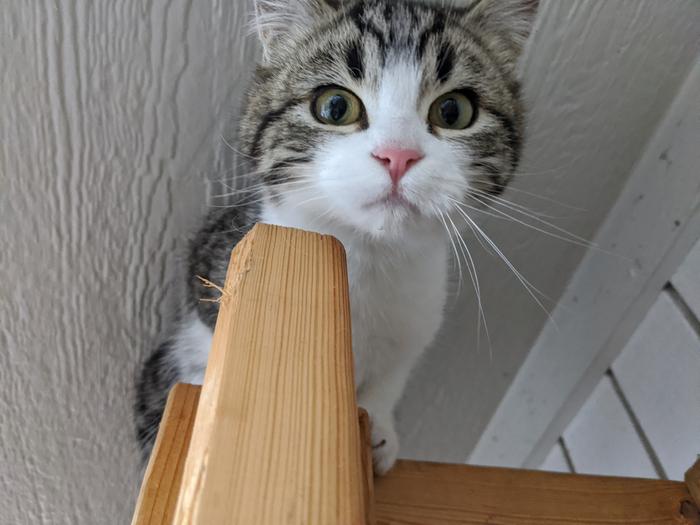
(394, 220)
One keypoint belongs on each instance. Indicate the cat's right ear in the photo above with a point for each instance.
(278, 21)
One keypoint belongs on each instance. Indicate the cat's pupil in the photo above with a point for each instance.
(336, 108)
(449, 111)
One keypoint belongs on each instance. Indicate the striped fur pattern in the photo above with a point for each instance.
(397, 57)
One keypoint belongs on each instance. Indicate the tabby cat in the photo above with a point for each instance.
(372, 121)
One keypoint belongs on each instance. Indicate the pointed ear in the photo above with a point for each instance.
(512, 18)
(276, 21)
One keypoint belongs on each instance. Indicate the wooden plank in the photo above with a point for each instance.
(692, 480)
(659, 371)
(368, 470)
(163, 477)
(556, 460)
(276, 438)
(602, 439)
(431, 494)
(687, 280)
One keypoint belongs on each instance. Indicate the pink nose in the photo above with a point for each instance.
(397, 161)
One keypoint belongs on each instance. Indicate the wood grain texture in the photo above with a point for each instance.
(416, 493)
(276, 438)
(692, 480)
(366, 434)
(691, 509)
(163, 477)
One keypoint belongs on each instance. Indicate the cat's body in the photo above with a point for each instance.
(370, 121)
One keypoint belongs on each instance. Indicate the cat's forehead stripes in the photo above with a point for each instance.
(354, 60)
(445, 62)
(397, 28)
(397, 31)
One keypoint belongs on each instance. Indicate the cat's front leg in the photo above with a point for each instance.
(379, 396)
(385, 441)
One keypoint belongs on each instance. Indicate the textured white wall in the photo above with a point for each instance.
(110, 114)
(110, 119)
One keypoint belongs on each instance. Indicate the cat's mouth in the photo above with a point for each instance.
(393, 200)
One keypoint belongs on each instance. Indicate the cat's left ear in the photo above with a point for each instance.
(277, 21)
(512, 19)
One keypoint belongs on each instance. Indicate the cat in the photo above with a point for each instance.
(372, 121)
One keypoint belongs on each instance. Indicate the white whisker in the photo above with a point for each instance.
(572, 237)
(531, 289)
(477, 288)
(237, 151)
(541, 197)
(454, 247)
(504, 216)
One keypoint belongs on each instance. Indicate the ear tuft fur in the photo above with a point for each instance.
(278, 20)
(515, 17)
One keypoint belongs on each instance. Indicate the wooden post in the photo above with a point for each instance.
(163, 477)
(276, 437)
(366, 435)
(692, 480)
(434, 494)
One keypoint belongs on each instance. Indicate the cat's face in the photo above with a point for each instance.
(383, 115)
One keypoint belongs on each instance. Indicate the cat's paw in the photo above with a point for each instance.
(385, 443)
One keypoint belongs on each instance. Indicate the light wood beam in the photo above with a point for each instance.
(163, 477)
(276, 438)
(436, 494)
(431, 494)
(692, 479)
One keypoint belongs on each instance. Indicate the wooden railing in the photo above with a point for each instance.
(274, 437)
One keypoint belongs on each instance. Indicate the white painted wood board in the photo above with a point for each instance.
(602, 439)
(556, 460)
(654, 224)
(687, 279)
(659, 373)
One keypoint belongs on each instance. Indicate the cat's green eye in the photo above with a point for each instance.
(336, 107)
(452, 111)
